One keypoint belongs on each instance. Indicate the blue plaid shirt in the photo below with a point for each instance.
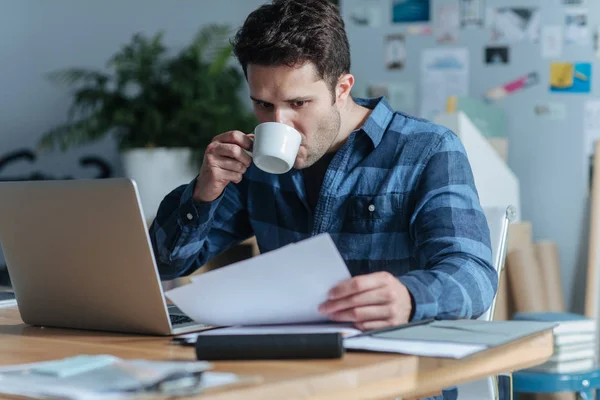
(398, 196)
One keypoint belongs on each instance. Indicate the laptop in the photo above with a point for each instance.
(79, 256)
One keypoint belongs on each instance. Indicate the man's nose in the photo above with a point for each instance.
(281, 116)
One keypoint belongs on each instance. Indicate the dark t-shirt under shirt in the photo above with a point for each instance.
(313, 178)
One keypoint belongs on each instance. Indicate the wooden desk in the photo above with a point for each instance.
(356, 376)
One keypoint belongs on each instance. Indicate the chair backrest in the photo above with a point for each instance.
(498, 219)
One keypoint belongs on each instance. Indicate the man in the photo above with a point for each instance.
(395, 192)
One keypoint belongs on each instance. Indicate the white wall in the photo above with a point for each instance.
(39, 36)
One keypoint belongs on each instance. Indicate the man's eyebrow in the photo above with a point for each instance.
(300, 98)
(255, 99)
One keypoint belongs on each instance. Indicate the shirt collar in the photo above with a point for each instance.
(377, 123)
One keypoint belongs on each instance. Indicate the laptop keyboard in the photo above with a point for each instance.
(179, 319)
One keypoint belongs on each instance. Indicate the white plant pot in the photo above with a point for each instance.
(157, 171)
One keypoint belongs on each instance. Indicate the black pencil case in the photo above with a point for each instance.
(269, 347)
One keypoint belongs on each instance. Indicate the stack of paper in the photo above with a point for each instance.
(574, 341)
(292, 329)
(283, 286)
(451, 339)
(108, 377)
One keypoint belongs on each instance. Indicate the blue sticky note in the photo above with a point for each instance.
(73, 365)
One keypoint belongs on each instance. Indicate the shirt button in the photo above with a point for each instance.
(371, 207)
(190, 216)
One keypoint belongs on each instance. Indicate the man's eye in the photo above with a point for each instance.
(262, 104)
(299, 103)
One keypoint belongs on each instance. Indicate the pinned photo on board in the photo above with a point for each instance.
(552, 41)
(444, 73)
(552, 111)
(570, 77)
(447, 23)
(472, 13)
(515, 24)
(368, 16)
(577, 31)
(411, 11)
(497, 55)
(395, 51)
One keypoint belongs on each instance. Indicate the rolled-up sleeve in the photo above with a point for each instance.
(454, 277)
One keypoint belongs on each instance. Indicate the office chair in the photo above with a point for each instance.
(498, 219)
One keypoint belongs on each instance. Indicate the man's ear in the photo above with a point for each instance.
(343, 87)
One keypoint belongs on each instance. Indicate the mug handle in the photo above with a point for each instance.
(247, 151)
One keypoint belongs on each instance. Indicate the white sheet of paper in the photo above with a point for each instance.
(444, 73)
(282, 286)
(109, 380)
(552, 41)
(413, 347)
(214, 379)
(345, 329)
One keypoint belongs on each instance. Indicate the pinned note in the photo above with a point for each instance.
(500, 92)
(570, 78)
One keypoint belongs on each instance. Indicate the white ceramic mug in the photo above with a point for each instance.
(275, 147)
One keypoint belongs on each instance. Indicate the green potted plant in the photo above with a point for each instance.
(162, 109)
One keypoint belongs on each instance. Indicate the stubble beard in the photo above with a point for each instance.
(327, 131)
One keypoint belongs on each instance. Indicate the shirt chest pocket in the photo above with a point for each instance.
(365, 214)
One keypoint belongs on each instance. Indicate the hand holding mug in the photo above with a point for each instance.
(229, 155)
(224, 161)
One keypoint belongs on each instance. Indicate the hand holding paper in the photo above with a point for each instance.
(371, 301)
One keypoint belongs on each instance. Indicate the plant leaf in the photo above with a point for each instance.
(218, 64)
(74, 75)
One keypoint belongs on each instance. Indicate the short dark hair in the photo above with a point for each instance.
(292, 32)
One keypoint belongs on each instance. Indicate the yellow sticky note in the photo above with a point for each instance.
(561, 75)
(451, 104)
